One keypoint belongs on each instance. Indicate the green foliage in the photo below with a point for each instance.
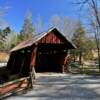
(4, 33)
(3, 36)
(79, 40)
(27, 29)
(79, 37)
(8, 39)
(83, 43)
(11, 41)
(88, 54)
(7, 30)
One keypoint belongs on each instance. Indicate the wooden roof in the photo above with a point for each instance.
(36, 38)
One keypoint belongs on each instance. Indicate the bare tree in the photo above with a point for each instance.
(95, 21)
(65, 24)
(69, 27)
(39, 24)
(27, 28)
(8, 44)
(56, 21)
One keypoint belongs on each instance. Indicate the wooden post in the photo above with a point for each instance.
(63, 68)
(66, 62)
(32, 69)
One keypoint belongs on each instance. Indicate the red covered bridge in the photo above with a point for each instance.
(45, 52)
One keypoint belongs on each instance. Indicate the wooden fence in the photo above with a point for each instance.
(13, 87)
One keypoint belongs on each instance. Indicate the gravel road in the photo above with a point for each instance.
(62, 87)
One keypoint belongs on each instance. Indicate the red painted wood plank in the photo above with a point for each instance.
(50, 38)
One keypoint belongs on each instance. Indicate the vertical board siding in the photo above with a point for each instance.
(50, 38)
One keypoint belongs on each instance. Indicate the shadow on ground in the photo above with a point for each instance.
(63, 87)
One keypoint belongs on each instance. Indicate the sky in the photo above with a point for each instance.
(15, 11)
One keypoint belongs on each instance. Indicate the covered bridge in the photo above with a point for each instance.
(46, 52)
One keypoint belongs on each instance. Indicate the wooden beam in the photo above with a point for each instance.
(32, 69)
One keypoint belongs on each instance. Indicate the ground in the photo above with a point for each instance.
(63, 87)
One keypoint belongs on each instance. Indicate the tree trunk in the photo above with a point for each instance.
(98, 48)
(74, 58)
(98, 58)
(80, 57)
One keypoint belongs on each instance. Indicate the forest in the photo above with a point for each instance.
(86, 37)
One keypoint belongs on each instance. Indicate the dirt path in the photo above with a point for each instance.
(63, 87)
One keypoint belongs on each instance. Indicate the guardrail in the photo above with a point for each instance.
(13, 87)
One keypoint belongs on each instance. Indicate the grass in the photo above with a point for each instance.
(90, 71)
(85, 69)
